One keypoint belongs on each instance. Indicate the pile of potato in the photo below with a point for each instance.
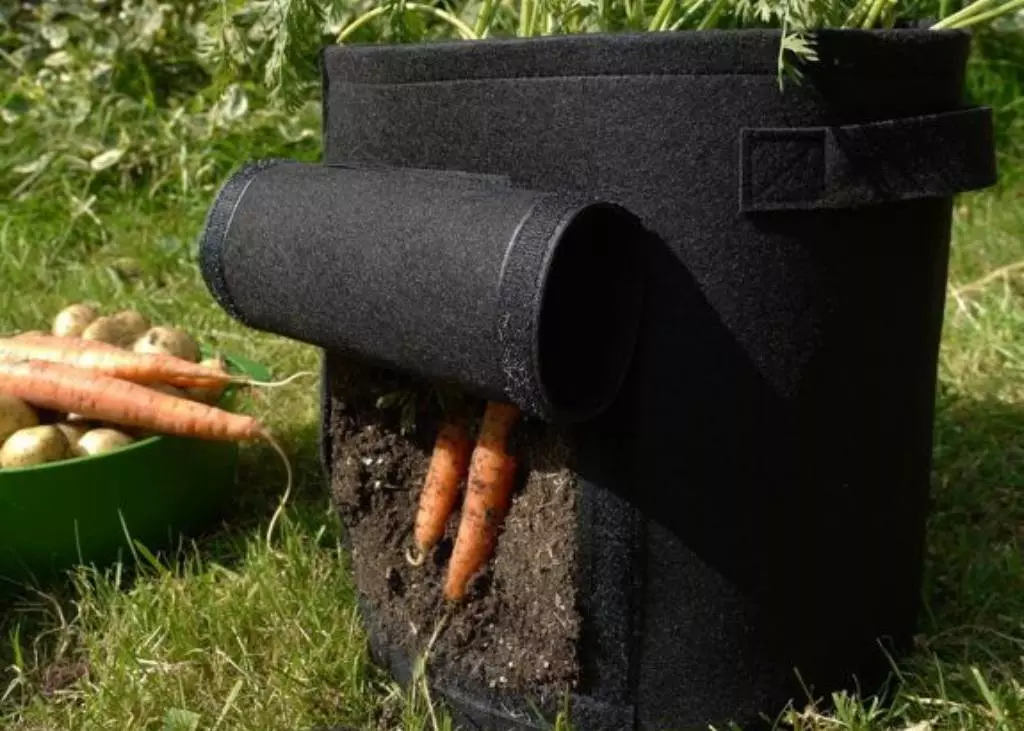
(30, 437)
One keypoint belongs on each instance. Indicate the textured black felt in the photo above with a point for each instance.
(515, 295)
(929, 156)
(755, 499)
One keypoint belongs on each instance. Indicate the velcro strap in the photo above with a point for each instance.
(931, 156)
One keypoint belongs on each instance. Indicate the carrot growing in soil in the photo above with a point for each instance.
(448, 465)
(497, 423)
(488, 493)
(68, 389)
(492, 473)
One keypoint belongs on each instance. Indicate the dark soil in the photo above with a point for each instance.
(62, 675)
(519, 626)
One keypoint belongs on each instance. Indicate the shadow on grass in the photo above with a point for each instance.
(259, 489)
(45, 651)
(973, 591)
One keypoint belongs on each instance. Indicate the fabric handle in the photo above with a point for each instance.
(931, 156)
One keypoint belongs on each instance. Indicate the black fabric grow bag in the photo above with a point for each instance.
(511, 294)
(754, 501)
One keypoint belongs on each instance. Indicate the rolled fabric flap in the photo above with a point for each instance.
(530, 297)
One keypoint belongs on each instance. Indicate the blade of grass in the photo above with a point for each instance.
(990, 699)
(228, 703)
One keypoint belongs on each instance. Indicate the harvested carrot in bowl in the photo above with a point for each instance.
(69, 389)
(111, 360)
(98, 396)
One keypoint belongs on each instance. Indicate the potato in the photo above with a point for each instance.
(211, 394)
(72, 321)
(15, 414)
(101, 440)
(106, 330)
(29, 334)
(168, 341)
(134, 325)
(34, 445)
(72, 431)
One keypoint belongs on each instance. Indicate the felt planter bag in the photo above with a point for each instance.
(754, 502)
(509, 293)
(751, 507)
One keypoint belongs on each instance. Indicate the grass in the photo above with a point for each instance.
(231, 633)
(234, 635)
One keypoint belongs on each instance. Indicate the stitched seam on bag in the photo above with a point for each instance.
(583, 77)
(804, 152)
(791, 174)
(218, 224)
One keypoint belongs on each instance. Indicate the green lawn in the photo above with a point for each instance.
(239, 635)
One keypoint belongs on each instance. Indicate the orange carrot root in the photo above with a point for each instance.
(272, 384)
(488, 495)
(448, 465)
(111, 360)
(102, 397)
(498, 420)
(136, 367)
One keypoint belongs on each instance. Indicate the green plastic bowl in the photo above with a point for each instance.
(83, 510)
